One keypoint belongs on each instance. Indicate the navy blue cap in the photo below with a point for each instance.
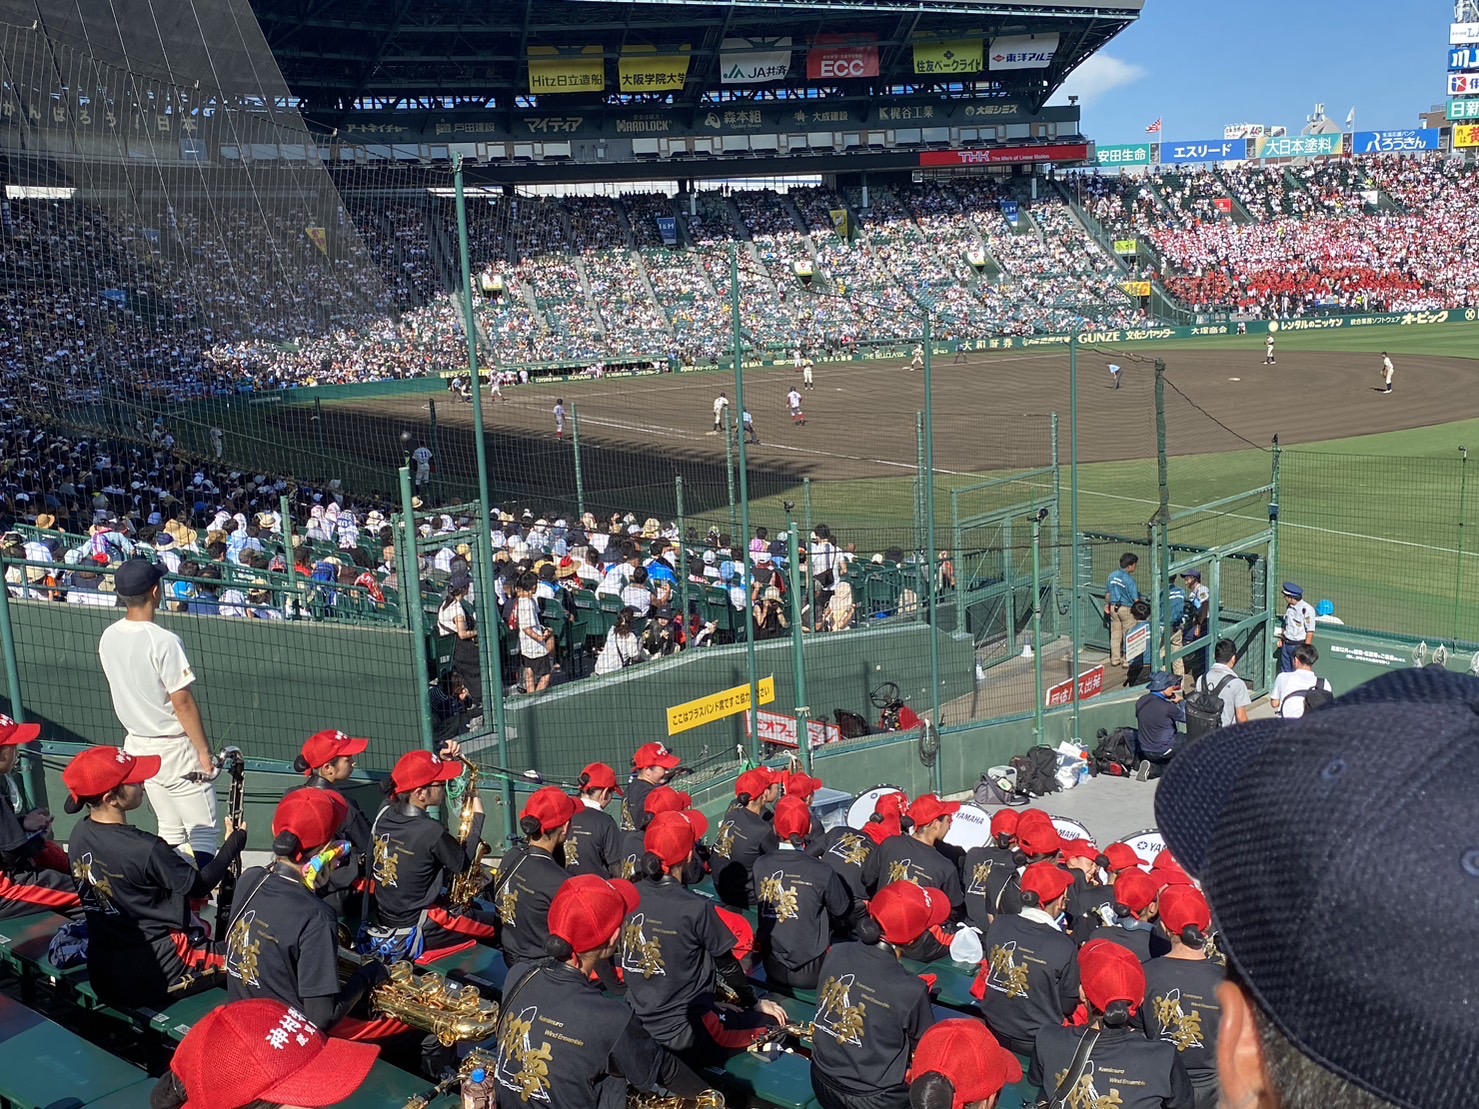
(1320, 849)
(1292, 590)
(136, 577)
(1192, 574)
(1161, 681)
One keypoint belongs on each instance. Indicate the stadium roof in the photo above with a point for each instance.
(337, 55)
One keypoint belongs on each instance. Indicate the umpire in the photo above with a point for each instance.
(1313, 887)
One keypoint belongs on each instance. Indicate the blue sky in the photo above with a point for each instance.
(1203, 64)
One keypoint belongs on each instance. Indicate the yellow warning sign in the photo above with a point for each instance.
(716, 706)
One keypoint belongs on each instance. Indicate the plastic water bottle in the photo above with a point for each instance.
(478, 1091)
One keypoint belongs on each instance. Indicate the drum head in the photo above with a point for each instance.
(862, 808)
(1147, 844)
(971, 827)
(1069, 828)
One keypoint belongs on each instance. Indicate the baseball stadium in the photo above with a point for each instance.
(489, 436)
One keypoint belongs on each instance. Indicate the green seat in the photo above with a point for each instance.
(385, 1085)
(43, 1064)
(783, 1081)
(953, 989)
(177, 1020)
(130, 1097)
(482, 967)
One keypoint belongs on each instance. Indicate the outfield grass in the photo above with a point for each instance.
(1445, 340)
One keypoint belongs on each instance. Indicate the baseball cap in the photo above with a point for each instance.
(1168, 871)
(1192, 574)
(666, 799)
(551, 806)
(1080, 849)
(600, 776)
(754, 782)
(1110, 973)
(1121, 856)
(1135, 890)
(1004, 822)
(421, 768)
(697, 821)
(967, 1054)
(135, 577)
(313, 815)
(322, 748)
(801, 784)
(99, 770)
(905, 911)
(262, 1050)
(792, 818)
(1312, 883)
(588, 910)
(1036, 834)
(12, 733)
(670, 837)
(1048, 880)
(1183, 907)
(655, 754)
(927, 808)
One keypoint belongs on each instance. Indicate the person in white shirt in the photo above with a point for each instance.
(721, 402)
(622, 647)
(1290, 695)
(1236, 699)
(535, 640)
(149, 678)
(422, 457)
(1386, 371)
(1299, 625)
(637, 596)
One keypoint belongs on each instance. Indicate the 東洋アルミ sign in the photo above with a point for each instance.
(1090, 684)
(717, 706)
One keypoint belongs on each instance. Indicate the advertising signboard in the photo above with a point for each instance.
(1005, 155)
(1460, 110)
(1022, 52)
(552, 71)
(1203, 150)
(840, 56)
(934, 55)
(754, 61)
(1394, 142)
(1300, 146)
(1125, 154)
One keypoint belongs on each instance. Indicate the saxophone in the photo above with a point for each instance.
(710, 1099)
(464, 887)
(452, 1013)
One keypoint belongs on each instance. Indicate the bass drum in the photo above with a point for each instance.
(1069, 828)
(1147, 844)
(862, 808)
(970, 828)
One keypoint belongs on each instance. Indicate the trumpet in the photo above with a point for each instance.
(709, 1099)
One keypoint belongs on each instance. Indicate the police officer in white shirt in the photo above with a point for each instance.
(1299, 625)
(150, 678)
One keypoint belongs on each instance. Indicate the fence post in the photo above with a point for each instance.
(1057, 532)
(1163, 517)
(410, 582)
(1037, 710)
(798, 657)
(291, 608)
(1458, 582)
(682, 562)
(438, 482)
(575, 446)
(729, 481)
(492, 667)
(35, 772)
(957, 539)
(1272, 589)
(1074, 617)
(744, 500)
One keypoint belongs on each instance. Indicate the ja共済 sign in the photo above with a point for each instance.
(754, 61)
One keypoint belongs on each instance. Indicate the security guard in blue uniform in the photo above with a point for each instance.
(1120, 592)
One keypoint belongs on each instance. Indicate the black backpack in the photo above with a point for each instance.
(1115, 754)
(1315, 698)
(850, 724)
(1037, 772)
(1204, 708)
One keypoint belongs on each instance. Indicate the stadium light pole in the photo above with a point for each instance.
(744, 500)
(488, 644)
(929, 533)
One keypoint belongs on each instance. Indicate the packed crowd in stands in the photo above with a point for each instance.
(169, 295)
(1276, 241)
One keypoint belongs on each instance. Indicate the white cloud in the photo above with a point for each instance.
(1100, 74)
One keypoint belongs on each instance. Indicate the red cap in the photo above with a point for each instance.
(12, 733)
(670, 837)
(99, 770)
(588, 910)
(666, 799)
(744, 935)
(697, 821)
(1080, 849)
(1168, 871)
(966, 1053)
(905, 911)
(928, 808)
(792, 818)
(655, 754)
(1036, 835)
(802, 785)
(421, 768)
(551, 806)
(755, 782)
(261, 1050)
(313, 815)
(1048, 880)
(1183, 907)
(600, 776)
(894, 805)
(322, 748)
(1111, 973)
(1135, 890)
(1004, 822)
(1121, 856)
